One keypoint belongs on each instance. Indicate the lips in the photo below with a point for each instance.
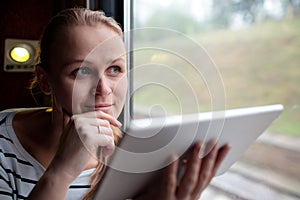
(103, 107)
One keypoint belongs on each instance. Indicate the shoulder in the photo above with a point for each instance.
(4, 114)
(14, 161)
(8, 138)
(10, 113)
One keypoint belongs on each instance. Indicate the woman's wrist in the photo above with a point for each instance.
(52, 185)
(59, 176)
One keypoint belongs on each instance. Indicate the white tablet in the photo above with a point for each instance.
(147, 145)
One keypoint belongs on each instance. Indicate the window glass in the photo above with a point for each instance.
(253, 46)
(204, 55)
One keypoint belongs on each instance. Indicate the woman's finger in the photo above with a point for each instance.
(99, 115)
(206, 168)
(99, 126)
(96, 134)
(190, 176)
(222, 153)
(88, 129)
(97, 144)
(104, 141)
(66, 117)
(91, 121)
(169, 182)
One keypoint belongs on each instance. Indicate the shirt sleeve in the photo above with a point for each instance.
(6, 190)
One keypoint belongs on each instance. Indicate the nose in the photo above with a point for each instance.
(103, 87)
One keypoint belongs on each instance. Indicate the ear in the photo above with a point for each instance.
(43, 80)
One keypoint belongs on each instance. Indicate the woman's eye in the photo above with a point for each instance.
(114, 70)
(82, 71)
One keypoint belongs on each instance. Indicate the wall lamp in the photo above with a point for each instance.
(20, 55)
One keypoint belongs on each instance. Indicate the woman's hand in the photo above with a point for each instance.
(195, 178)
(82, 137)
(85, 136)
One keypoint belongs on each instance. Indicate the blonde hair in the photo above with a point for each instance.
(67, 18)
(71, 17)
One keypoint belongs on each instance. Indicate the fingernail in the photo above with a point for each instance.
(119, 123)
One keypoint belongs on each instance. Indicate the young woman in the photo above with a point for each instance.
(53, 153)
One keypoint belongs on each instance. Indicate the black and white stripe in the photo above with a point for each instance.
(19, 172)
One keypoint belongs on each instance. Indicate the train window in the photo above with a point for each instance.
(203, 55)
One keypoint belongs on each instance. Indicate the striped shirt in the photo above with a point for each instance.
(19, 171)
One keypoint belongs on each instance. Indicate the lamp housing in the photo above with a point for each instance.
(20, 55)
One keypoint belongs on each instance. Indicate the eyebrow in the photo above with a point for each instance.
(121, 58)
(76, 61)
(86, 61)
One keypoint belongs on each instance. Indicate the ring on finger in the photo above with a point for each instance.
(99, 131)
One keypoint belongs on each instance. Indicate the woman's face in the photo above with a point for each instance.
(88, 70)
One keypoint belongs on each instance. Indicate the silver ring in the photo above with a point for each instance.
(98, 129)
